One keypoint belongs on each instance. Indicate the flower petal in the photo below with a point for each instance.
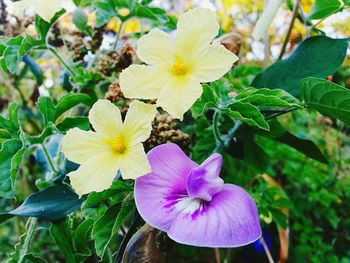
(155, 48)
(95, 175)
(79, 145)
(134, 164)
(230, 220)
(170, 168)
(106, 119)
(47, 9)
(138, 121)
(213, 63)
(195, 30)
(142, 82)
(179, 95)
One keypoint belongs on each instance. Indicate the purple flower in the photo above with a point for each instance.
(191, 203)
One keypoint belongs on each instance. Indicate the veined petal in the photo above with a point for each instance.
(195, 30)
(47, 9)
(230, 220)
(179, 95)
(157, 192)
(142, 82)
(95, 175)
(138, 121)
(134, 164)
(80, 146)
(155, 48)
(105, 118)
(213, 63)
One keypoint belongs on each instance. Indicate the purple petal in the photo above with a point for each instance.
(230, 220)
(204, 182)
(156, 193)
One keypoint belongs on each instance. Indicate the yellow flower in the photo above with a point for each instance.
(46, 9)
(114, 146)
(177, 67)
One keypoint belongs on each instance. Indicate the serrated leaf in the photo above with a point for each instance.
(328, 98)
(61, 233)
(248, 114)
(325, 8)
(81, 237)
(7, 152)
(42, 27)
(308, 60)
(12, 123)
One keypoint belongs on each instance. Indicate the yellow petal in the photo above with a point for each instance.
(47, 9)
(195, 30)
(179, 94)
(155, 48)
(214, 63)
(138, 121)
(135, 164)
(142, 82)
(106, 119)
(95, 175)
(79, 145)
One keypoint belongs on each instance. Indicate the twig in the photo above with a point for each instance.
(58, 56)
(281, 113)
(267, 251)
(49, 160)
(291, 25)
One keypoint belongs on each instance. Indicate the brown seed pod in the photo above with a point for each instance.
(142, 247)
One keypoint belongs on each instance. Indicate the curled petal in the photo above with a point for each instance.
(105, 118)
(134, 164)
(138, 121)
(142, 82)
(95, 175)
(79, 145)
(155, 48)
(230, 220)
(195, 30)
(213, 63)
(155, 192)
(179, 95)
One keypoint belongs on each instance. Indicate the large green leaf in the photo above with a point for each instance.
(7, 166)
(12, 123)
(328, 98)
(81, 237)
(318, 56)
(61, 233)
(50, 204)
(325, 8)
(80, 20)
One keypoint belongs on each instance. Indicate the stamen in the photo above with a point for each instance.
(179, 68)
(118, 145)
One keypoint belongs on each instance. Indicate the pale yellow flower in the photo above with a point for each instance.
(114, 146)
(178, 66)
(46, 9)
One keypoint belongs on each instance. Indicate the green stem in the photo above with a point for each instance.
(49, 160)
(216, 130)
(120, 31)
(281, 113)
(64, 63)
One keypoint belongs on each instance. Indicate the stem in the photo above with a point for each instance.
(120, 31)
(267, 251)
(303, 18)
(281, 113)
(323, 19)
(229, 254)
(216, 130)
(285, 43)
(64, 63)
(217, 255)
(49, 160)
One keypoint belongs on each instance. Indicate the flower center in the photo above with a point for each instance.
(179, 68)
(118, 145)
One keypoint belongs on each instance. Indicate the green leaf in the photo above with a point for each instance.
(267, 98)
(248, 114)
(325, 8)
(12, 123)
(50, 204)
(30, 258)
(22, 247)
(52, 112)
(308, 60)
(61, 233)
(108, 225)
(328, 98)
(255, 155)
(42, 27)
(81, 237)
(69, 123)
(7, 152)
(80, 20)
